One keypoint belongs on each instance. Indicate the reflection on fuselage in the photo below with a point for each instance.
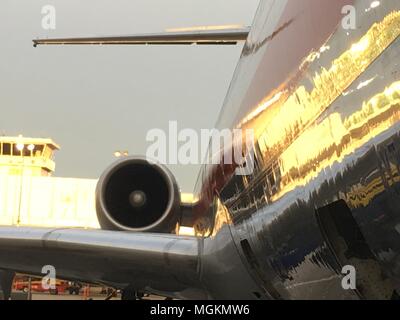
(330, 132)
(305, 143)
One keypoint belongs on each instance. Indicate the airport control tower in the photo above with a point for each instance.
(27, 156)
(31, 196)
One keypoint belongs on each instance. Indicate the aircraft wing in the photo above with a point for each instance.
(199, 37)
(150, 262)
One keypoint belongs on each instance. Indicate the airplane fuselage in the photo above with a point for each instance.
(323, 100)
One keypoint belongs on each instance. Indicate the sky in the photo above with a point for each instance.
(95, 100)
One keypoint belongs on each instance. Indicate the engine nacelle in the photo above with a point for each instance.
(135, 194)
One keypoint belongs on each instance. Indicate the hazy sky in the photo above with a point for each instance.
(96, 100)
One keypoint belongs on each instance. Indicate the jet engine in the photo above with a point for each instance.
(135, 194)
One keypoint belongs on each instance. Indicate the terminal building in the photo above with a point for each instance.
(31, 196)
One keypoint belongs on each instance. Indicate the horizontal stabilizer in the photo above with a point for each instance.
(199, 37)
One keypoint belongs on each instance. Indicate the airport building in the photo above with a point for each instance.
(31, 196)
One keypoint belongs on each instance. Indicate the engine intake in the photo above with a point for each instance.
(135, 194)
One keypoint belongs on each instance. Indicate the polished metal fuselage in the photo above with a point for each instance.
(324, 103)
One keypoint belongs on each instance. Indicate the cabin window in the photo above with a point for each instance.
(6, 149)
(37, 152)
(25, 152)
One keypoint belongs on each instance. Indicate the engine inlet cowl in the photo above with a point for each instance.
(135, 194)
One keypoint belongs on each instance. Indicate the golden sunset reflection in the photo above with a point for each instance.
(282, 120)
(290, 126)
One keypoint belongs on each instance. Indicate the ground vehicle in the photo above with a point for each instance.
(37, 286)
